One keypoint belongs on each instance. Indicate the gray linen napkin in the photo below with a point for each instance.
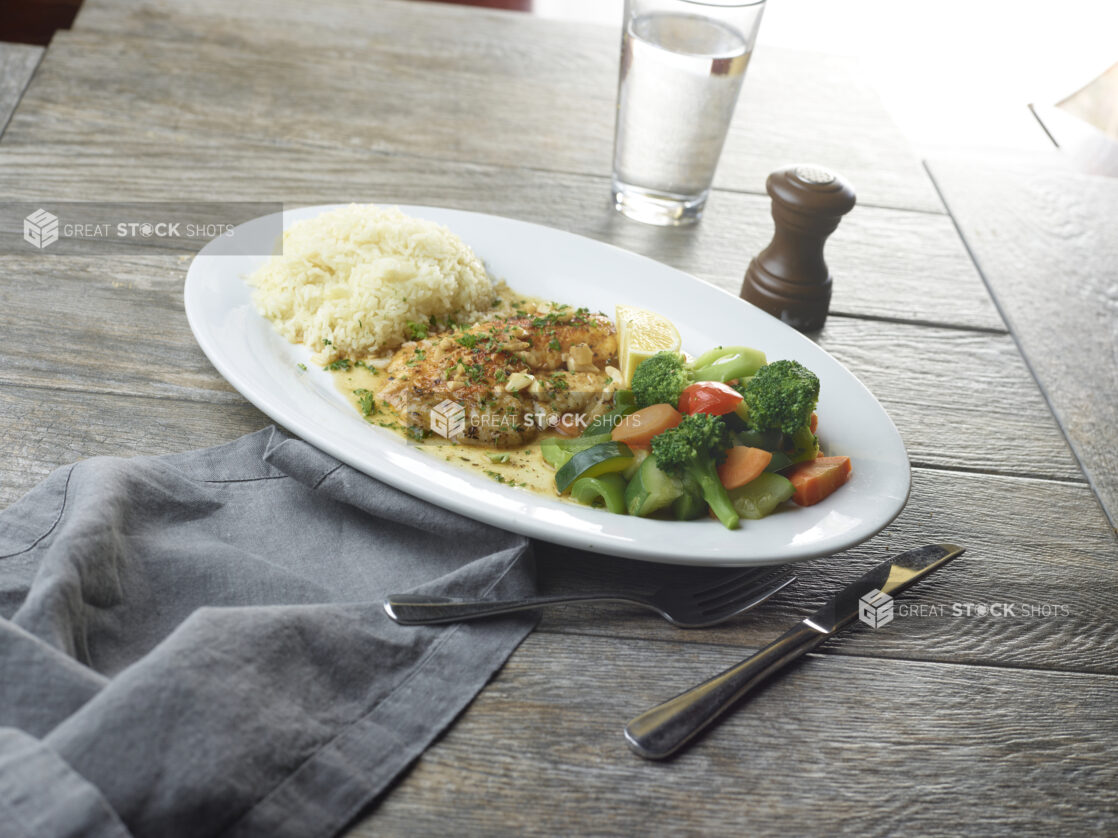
(194, 645)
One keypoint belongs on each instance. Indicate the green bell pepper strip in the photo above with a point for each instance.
(779, 462)
(726, 363)
(607, 490)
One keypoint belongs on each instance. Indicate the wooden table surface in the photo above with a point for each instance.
(932, 725)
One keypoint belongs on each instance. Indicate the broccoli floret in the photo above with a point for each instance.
(693, 448)
(781, 397)
(660, 379)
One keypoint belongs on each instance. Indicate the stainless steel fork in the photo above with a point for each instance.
(688, 606)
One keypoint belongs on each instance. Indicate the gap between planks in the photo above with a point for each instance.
(828, 651)
(911, 321)
(1012, 475)
(18, 63)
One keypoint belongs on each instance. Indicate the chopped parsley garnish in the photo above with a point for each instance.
(546, 320)
(340, 364)
(303, 367)
(366, 400)
(494, 457)
(416, 331)
(467, 340)
(554, 345)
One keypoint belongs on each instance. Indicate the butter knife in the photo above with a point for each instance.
(661, 731)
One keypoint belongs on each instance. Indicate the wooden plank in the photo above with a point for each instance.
(887, 264)
(17, 65)
(1025, 552)
(931, 379)
(415, 85)
(836, 745)
(83, 323)
(1048, 552)
(46, 428)
(1045, 241)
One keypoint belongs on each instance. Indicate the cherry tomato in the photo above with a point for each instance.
(712, 397)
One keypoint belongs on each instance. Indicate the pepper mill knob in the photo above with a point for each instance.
(789, 278)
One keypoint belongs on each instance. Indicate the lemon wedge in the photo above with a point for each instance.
(640, 335)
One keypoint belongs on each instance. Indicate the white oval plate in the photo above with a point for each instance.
(550, 263)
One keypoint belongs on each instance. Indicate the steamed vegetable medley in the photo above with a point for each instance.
(726, 434)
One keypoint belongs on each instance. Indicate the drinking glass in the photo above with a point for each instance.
(682, 65)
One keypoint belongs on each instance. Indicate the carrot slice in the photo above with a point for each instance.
(742, 465)
(637, 429)
(814, 422)
(814, 480)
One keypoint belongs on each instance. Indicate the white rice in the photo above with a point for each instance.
(350, 281)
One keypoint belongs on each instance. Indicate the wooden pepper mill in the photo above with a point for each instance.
(789, 278)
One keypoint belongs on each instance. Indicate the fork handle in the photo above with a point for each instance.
(415, 610)
(661, 731)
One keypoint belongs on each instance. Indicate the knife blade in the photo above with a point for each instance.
(661, 731)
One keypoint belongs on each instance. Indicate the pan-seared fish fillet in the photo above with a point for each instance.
(504, 371)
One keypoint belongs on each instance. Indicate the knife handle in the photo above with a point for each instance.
(661, 731)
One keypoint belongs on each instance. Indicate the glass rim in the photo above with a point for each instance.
(731, 4)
